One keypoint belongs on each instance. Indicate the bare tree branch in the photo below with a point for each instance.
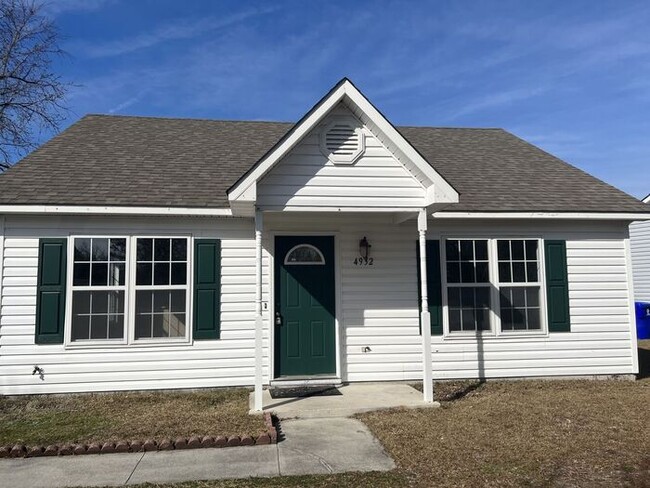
(31, 94)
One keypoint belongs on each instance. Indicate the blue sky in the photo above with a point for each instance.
(572, 77)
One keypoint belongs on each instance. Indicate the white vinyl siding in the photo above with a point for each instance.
(379, 304)
(600, 341)
(640, 247)
(377, 307)
(228, 361)
(305, 178)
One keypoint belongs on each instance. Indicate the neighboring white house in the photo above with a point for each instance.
(640, 245)
(141, 253)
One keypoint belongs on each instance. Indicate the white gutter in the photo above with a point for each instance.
(542, 215)
(2, 250)
(110, 210)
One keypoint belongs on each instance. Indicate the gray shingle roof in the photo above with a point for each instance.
(140, 161)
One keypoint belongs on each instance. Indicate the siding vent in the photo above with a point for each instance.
(342, 141)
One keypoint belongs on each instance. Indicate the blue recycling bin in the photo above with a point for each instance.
(642, 320)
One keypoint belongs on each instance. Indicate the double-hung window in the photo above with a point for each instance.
(519, 284)
(98, 288)
(161, 291)
(493, 285)
(129, 290)
(468, 284)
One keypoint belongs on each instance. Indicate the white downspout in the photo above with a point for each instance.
(259, 226)
(2, 250)
(425, 316)
(2, 259)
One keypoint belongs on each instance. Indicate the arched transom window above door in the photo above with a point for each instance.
(304, 254)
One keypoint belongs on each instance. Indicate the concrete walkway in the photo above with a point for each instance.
(313, 446)
(354, 398)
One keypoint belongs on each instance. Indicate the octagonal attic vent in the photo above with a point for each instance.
(342, 141)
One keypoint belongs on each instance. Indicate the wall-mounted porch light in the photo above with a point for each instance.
(364, 248)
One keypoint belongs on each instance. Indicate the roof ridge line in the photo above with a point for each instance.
(199, 119)
(243, 121)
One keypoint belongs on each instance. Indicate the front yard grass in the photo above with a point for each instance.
(506, 434)
(526, 433)
(125, 416)
(390, 479)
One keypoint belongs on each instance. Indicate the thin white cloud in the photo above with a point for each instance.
(180, 29)
(58, 7)
(498, 99)
(556, 137)
(125, 104)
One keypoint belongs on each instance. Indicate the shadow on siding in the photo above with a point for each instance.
(644, 359)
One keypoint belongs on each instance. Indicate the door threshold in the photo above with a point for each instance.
(306, 381)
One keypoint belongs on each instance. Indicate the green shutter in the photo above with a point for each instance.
(434, 284)
(557, 286)
(207, 288)
(50, 295)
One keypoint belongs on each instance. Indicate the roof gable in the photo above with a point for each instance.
(364, 175)
(243, 194)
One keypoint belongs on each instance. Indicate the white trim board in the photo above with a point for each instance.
(632, 308)
(226, 212)
(543, 215)
(245, 189)
(109, 210)
(2, 254)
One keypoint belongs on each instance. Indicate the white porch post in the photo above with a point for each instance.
(425, 317)
(259, 226)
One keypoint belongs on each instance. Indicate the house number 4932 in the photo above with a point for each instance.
(361, 261)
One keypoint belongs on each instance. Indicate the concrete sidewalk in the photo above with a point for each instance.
(312, 446)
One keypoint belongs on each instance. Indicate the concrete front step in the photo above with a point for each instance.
(355, 398)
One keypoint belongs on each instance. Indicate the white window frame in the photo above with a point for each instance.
(187, 287)
(69, 293)
(495, 295)
(129, 295)
(541, 270)
(445, 287)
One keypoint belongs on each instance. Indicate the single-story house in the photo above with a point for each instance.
(142, 253)
(640, 244)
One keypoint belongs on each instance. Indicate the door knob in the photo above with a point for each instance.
(278, 318)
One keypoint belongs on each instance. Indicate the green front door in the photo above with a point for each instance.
(304, 306)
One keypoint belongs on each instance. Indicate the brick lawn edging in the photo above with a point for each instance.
(194, 442)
